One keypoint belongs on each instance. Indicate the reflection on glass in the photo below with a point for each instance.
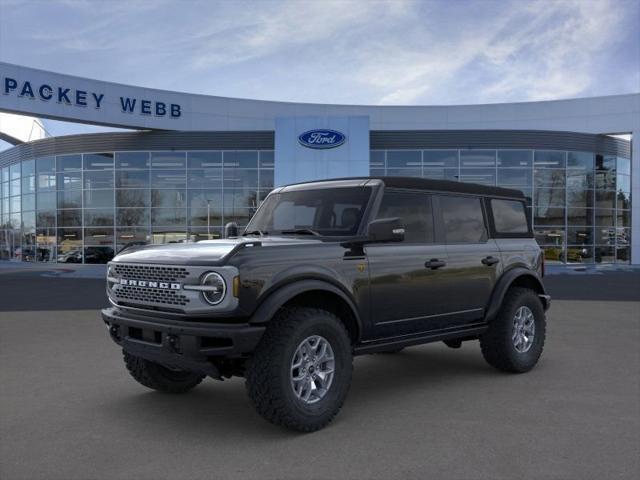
(440, 159)
(605, 217)
(98, 236)
(168, 160)
(204, 160)
(139, 160)
(582, 160)
(514, 176)
(605, 254)
(69, 180)
(549, 159)
(69, 199)
(102, 254)
(98, 199)
(168, 198)
(267, 159)
(69, 245)
(168, 217)
(549, 178)
(132, 178)
(580, 236)
(544, 196)
(240, 159)
(68, 162)
(70, 218)
(483, 176)
(477, 158)
(97, 161)
(132, 216)
(133, 198)
(98, 179)
(548, 216)
(98, 217)
(168, 178)
(43, 165)
(404, 158)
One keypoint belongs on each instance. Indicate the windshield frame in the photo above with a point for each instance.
(362, 227)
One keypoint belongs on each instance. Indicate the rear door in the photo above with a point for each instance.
(473, 263)
(408, 294)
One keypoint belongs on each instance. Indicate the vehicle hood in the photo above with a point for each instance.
(208, 252)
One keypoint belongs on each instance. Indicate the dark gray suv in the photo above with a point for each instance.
(327, 270)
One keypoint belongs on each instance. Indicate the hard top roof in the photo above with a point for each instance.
(414, 183)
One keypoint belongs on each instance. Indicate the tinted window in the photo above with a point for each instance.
(509, 216)
(414, 210)
(463, 220)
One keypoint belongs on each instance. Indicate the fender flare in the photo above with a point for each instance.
(282, 294)
(504, 283)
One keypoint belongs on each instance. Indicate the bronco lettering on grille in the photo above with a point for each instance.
(150, 284)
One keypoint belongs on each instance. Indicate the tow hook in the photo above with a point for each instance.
(114, 331)
(172, 341)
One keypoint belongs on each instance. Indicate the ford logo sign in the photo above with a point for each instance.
(322, 138)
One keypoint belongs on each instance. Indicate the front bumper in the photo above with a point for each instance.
(186, 345)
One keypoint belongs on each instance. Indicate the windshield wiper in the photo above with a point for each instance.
(301, 231)
(255, 232)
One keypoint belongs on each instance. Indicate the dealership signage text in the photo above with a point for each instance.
(82, 98)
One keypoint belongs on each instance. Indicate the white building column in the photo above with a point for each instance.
(635, 197)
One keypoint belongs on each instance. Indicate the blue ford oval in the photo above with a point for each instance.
(322, 138)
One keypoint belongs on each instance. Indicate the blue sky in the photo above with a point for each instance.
(365, 52)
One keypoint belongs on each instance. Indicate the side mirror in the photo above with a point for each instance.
(385, 230)
(231, 230)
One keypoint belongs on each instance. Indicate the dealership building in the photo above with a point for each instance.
(188, 164)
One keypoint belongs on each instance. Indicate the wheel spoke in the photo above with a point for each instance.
(312, 369)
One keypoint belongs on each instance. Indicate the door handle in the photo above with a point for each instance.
(488, 261)
(434, 264)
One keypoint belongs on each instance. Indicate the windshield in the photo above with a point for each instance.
(324, 211)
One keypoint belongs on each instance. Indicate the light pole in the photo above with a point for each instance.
(208, 219)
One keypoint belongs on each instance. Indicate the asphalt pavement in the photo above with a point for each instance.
(69, 410)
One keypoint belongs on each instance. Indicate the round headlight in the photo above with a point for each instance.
(216, 288)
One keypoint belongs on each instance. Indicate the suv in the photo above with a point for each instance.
(324, 271)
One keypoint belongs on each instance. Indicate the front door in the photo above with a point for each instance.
(407, 288)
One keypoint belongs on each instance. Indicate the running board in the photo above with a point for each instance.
(383, 344)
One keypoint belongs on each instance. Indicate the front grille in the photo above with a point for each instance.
(160, 296)
(151, 272)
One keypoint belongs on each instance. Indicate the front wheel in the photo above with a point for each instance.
(515, 338)
(300, 372)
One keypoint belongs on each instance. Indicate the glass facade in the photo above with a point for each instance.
(579, 202)
(83, 208)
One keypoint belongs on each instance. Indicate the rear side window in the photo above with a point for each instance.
(462, 219)
(509, 216)
(414, 210)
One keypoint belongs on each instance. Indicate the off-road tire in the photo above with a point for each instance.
(496, 344)
(268, 371)
(155, 376)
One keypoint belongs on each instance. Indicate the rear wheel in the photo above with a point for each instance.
(300, 372)
(515, 338)
(158, 377)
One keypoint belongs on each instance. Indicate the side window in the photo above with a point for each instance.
(509, 216)
(462, 219)
(414, 210)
